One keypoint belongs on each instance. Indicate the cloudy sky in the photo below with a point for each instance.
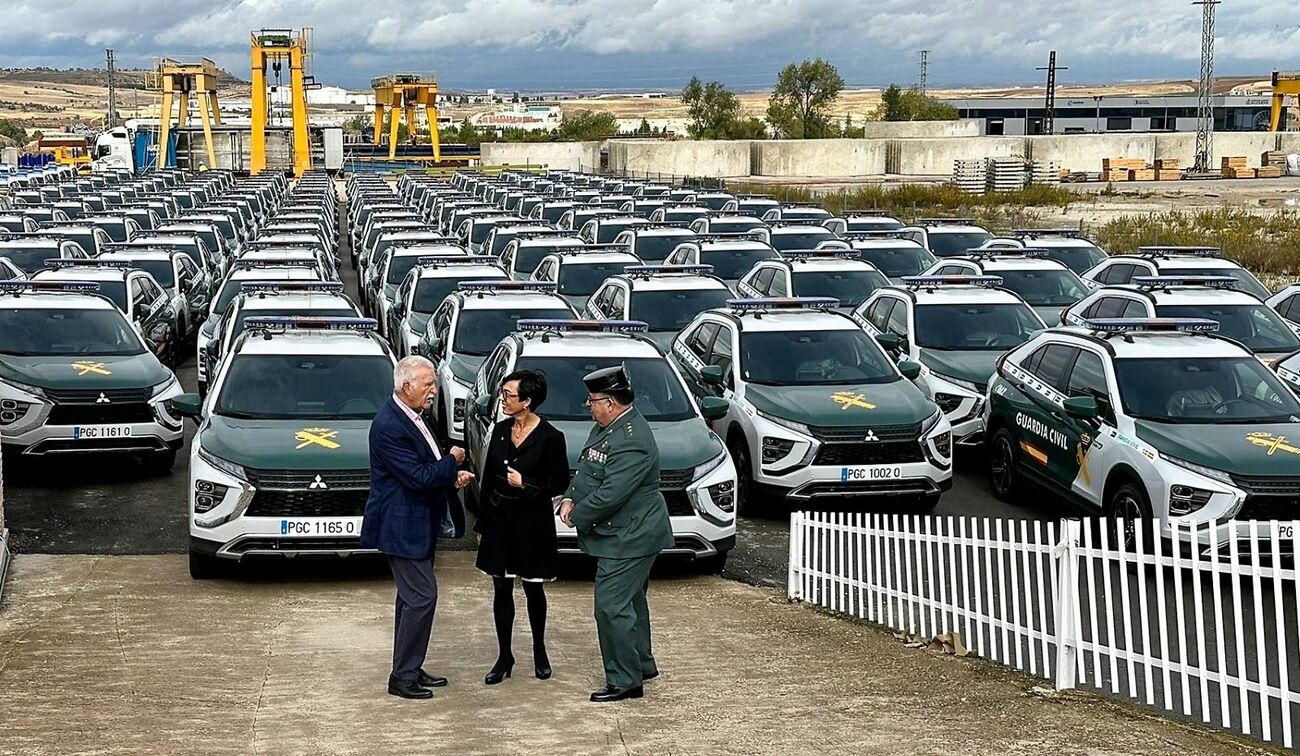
(650, 44)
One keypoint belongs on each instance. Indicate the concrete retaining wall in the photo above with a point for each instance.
(819, 157)
(685, 158)
(934, 157)
(920, 129)
(1084, 152)
(570, 156)
(1225, 144)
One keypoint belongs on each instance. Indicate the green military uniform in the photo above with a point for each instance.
(622, 520)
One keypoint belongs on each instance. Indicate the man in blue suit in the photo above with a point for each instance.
(412, 494)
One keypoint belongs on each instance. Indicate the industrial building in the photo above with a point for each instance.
(1016, 116)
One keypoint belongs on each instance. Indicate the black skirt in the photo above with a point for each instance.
(517, 525)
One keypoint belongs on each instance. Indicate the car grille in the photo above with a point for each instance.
(855, 433)
(95, 414)
(670, 480)
(869, 453)
(1269, 485)
(308, 503)
(294, 480)
(91, 396)
(679, 504)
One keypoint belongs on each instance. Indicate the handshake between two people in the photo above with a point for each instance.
(463, 477)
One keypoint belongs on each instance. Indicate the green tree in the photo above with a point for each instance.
(801, 100)
(714, 110)
(747, 128)
(587, 126)
(12, 130)
(644, 128)
(912, 105)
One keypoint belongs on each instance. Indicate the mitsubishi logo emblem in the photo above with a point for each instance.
(318, 483)
(871, 436)
(102, 399)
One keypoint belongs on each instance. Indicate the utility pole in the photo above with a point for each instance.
(1205, 93)
(1049, 104)
(925, 61)
(111, 121)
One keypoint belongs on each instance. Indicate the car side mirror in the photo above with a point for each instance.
(910, 370)
(213, 345)
(890, 342)
(714, 408)
(435, 345)
(711, 374)
(1082, 407)
(186, 405)
(481, 405)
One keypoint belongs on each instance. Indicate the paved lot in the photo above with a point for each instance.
(127, 655)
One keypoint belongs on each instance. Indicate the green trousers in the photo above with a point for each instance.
(623, 619)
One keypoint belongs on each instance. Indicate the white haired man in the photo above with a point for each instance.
(412, 491)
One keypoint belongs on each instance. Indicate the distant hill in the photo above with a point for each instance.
(127, 78)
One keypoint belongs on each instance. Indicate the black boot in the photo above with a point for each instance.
(536, 597)
(500, 671)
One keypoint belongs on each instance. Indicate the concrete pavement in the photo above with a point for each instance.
(125, 654)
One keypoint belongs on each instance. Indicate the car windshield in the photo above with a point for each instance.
(813, 358)
(84, 239)
(803, 240)
(1076, 257)
(32, 332)
(975, 326)
(319, 312)
(429, 292)
(399, 266)
(30, 259)
(479, 331)
(873, 224)
(528, 258)
(653, 249)
(115, 291)
(851, 287)
(1042, 288)
(116, 230)
(1256, 326)
(672, 310)
(730, 264)
(606, 233)
(734, 225)
(297, 386)
(553, 213)
(897, 262)
(1245, 281)
(1204, 391)
(660, 394)
(479, 231)
(161, 270)
(582, 278)
(956, 242)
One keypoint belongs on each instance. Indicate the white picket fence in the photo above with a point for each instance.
(1210, 632)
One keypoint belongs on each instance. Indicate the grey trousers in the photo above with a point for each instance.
(417, 598)
(623, 619)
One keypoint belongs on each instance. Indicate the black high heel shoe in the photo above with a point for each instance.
(499, 672)
(541, 664)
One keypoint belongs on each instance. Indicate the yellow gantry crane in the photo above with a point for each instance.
(272, 49)
(177, 81)
(1284, 83)
(399, 95)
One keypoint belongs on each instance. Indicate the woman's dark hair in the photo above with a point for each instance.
(532, 386)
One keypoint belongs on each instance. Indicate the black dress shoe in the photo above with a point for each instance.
(610, 693)
(649, 677)
(541, 664)
(407, 689)
(431, 681)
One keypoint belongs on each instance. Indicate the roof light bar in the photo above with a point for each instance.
(436, 260)
(652, 270)
(937, 281)
(880, 234)
(62, 263)
(262, 287)
(1189, 251)
(945, 221)
(244, 263)
(308, 323)
(1119, 325)
(827, 253)
(869, 214)
(1162, 282)
(763, 304)
(985, 253)
(548, 325)
(15, 286)
(1064, 233)
(491, 285)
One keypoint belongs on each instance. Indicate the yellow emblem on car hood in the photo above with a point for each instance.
(1272, 443)
(316, 436)
(848, 399)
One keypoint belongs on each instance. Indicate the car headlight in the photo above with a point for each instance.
(224, 465)
(931, 422)
(1208, 472)
(165, 387)
(11, 410)
(708, 466)
(791, 424)
(1184, 500)
(948, 402)
(207, 495)
(968, 385)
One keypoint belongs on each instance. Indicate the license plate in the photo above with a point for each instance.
(871, 472)
(320, 526)
(80, 432)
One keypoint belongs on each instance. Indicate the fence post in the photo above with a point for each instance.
(1067, 604)
(796, 555)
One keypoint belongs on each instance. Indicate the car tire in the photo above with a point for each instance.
(1126, 509)
(1004, 467)
(204, 567)
(712, 565)
(160, 463)
(747, 502)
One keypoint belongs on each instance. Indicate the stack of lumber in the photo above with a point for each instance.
(1168, 169)
(1119, 169)
(1236, 168)
(1272, 159)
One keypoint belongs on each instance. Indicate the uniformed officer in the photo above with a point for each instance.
(622, 520)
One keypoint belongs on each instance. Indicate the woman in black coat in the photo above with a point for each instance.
(527, 466)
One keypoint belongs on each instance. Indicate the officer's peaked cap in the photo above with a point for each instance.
(607, 379)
